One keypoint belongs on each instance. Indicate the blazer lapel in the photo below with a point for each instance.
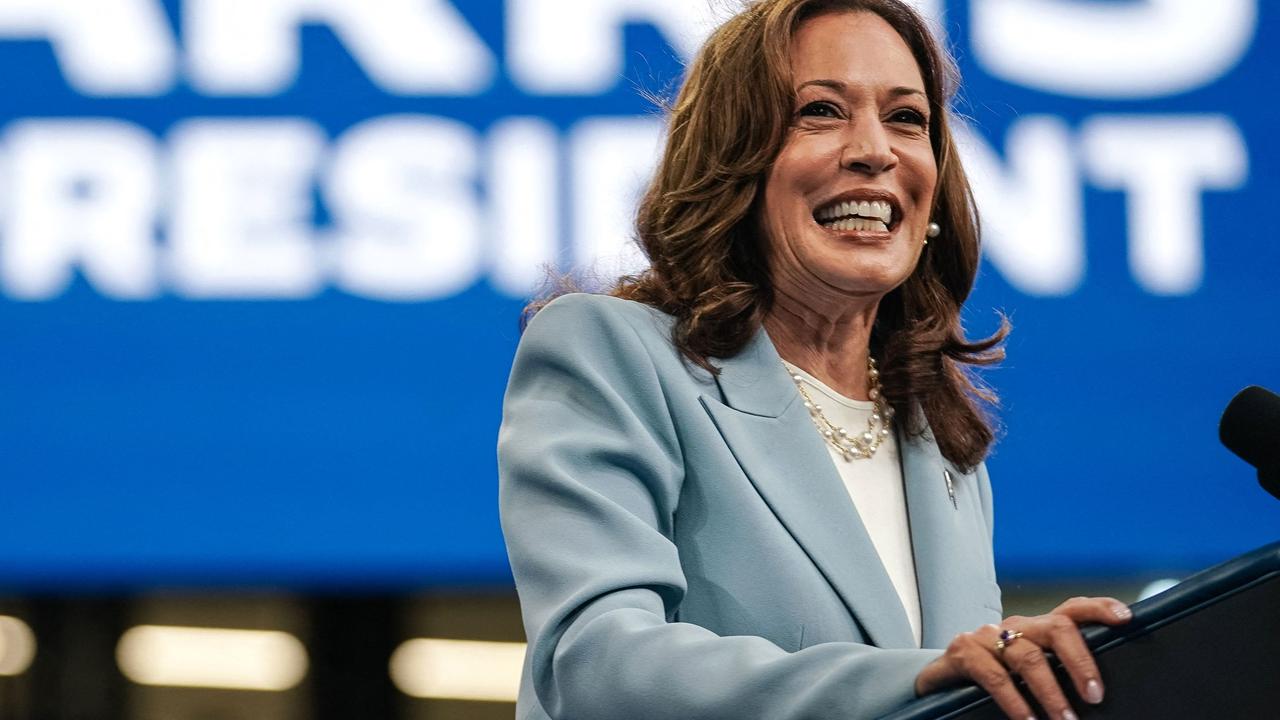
(770, 433)
(942, 569)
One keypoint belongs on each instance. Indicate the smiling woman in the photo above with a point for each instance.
(861, 135)
(790, 108)
(750, 484)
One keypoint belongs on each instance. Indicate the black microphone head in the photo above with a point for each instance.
(1250, 428)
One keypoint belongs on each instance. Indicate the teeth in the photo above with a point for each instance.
(857, 224)
(865, 209)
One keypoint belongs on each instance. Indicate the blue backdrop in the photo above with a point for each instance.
(257, 314)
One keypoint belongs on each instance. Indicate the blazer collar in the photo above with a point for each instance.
(775, 442)
(755, 381)
(770, 433)
(944, 567)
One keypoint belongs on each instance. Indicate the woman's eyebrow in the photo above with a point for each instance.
(833, 84)
(903, 91)
(840, 86)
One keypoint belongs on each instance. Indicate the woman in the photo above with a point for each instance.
(750, 483)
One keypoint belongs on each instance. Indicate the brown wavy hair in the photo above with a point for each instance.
(708, 268)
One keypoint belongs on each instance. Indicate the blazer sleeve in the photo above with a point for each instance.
(590, 473)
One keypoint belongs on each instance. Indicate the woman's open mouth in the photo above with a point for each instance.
(856, 216)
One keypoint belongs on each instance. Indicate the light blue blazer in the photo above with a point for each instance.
(684, 547)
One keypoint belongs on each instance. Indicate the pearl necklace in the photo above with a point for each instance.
(852, 447)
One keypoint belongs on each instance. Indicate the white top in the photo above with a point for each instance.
(875, 486)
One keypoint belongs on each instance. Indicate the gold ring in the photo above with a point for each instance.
(1007, 637)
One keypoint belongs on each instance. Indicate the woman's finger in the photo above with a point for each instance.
(1105, 610)
(973, 651)
(1059, 634)
(1063, 636)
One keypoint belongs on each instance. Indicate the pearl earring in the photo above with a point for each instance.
(934, 230)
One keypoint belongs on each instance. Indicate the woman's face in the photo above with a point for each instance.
(847, 202)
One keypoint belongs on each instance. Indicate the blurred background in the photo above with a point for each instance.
(262, 262)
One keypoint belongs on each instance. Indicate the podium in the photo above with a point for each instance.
(1207, 648)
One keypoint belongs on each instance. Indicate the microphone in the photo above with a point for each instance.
(1250, 428)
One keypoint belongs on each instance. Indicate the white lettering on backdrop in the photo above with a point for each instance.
(611, 161)
(82, 194)
(402, 190)
(251, 47)
(242, 209)
(1128, 49)
(422, 207)
(1031, 210)
(104, 47)
(1163, 165)
(574, 47)
(524, 219)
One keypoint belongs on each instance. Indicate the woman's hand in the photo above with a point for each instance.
(981, 657)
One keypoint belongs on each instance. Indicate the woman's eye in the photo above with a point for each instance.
(915, 117)
(820, 109)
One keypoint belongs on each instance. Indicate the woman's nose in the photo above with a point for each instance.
(867, 149)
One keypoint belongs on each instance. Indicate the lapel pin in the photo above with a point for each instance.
(951, 488)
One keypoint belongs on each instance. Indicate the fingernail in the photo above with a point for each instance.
(1093, 692)
(1123, 612)
(1068, 715)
